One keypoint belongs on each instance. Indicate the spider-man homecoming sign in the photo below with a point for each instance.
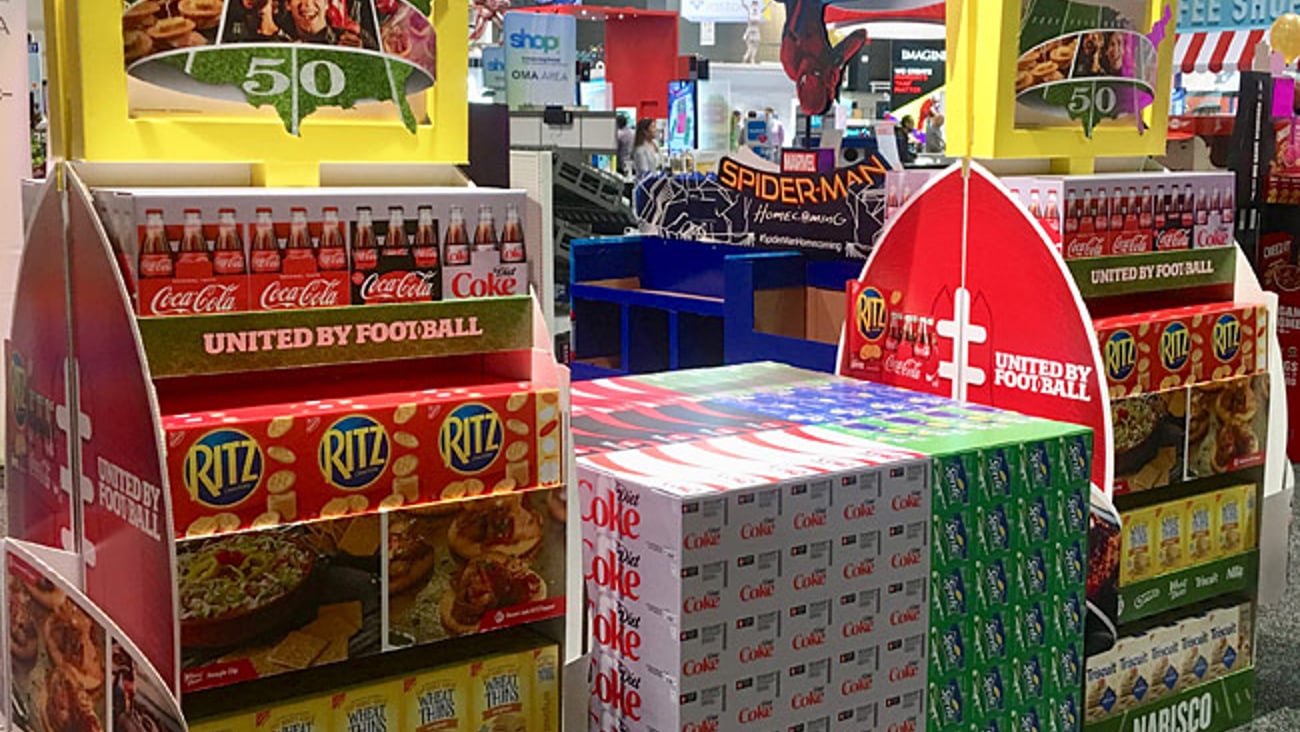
(838, 213)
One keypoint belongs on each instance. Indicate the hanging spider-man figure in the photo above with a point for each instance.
(808, 57)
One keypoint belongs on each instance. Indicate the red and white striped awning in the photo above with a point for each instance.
(1216, 50)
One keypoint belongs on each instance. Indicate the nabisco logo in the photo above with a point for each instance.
(808, 699)
(616, 571)
(619, 631)
(810, 580)
(906, 503)
(398, 287)
(207, 299)
(859, 685)
(761, 652)
(910, 671)
(494, 284)
(857, 570)
(815, 639)
(317, 293)
(616, 512)
(903, 617)
(750, 593)
(859, 511)
(855, 628)
(701, 666)
(707, 540)
(707, 725)
(619, 690)
(911, 559)
(756, 713)
(764, 528)
(813, 520)
(693, 605)
(1086, 245)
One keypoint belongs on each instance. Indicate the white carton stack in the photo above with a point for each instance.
(762, 582)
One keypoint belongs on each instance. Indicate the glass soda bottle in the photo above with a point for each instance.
(193, 248)
(395, 239)
(298, 248)
(332, 256)
(512, 236)
(365, 248)
(155, 253)
(265, 249)
(426, 238)
(456, 243)
(228, 257)
(485, 236)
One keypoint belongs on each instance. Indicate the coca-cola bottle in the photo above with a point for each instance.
(1118, 210)
(228, 255)
(1215, 215)
(1159, 216)
(485, 235)
(155, 253)
(512, 236)
(1144, 216)
(1103, 212)
(1050, 212)
(298, 250)
(1088, 218)
(1071, 212)
(365, 247)
(1202, 208)
(265, 249)
(1228, 205)
(426, 238)
(1132, 209)
(395, 236)
(1188, 208)
(1035, 209)
(332, 255)
(456, 243)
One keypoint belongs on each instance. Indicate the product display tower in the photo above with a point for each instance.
(286, 440)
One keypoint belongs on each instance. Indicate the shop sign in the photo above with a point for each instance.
(837, 213)
(494, 68)
(541, 59)
(1096, 66)
(918, 68)
(1218, 15)
(295, 57)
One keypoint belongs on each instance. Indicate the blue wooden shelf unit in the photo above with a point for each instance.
(642, 304)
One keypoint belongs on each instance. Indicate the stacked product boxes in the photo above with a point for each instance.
(231, 250)
(770, 476)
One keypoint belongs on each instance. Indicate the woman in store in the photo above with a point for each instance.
(903, 133)
(645, 152)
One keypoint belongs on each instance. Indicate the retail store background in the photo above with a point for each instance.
(1277, 642)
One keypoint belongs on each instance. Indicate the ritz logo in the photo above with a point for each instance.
(470, 438)
(223, 468)
(1175, 346)
(1226, 337)
(872, 314)
(534, 41)
(354, 452)
(1121, 355)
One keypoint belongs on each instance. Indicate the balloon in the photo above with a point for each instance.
(1284, 36)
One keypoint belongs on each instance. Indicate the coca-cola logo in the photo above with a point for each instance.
(493, 284)
(609, 513)
(809, 520)
(707, 725)
(749, 593)
(1173, 239)
(815, 639)
(906, 503)
(619, 690)
(765, 528)
(214, 298)
(317, 293)
(760, 652)
(398, 287)
(756, 713)
(693, 605)
(856, 686)
(711, 538)
(1086, 246)
(701, 666)
(808, 699)
(156, 265)
(858, 511)
(908, 368)
(1130, 242)
(863, 568)
(615, 572)
(909, 671)
(910, 559)
(856, 628)
(810, 580)
(618, 632)
(903, 617)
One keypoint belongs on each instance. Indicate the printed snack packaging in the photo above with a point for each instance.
(546, 689)
(260, 466)
(232, 723)
(373, 706)
(436, 701)
(302, 715)
(501, 693)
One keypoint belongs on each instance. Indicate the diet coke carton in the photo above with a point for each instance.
(753, 642)
(755, 702)
(806, 629)
(808, 693)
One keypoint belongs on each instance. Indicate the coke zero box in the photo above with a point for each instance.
(280, 463)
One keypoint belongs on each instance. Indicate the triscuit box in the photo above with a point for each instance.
(1165, 643)
(301, 715)
(1134, 684)
(501, 693)
(1230, 639)
(375, 707)
(1101, 690)
(546, 689)
(436, 700)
